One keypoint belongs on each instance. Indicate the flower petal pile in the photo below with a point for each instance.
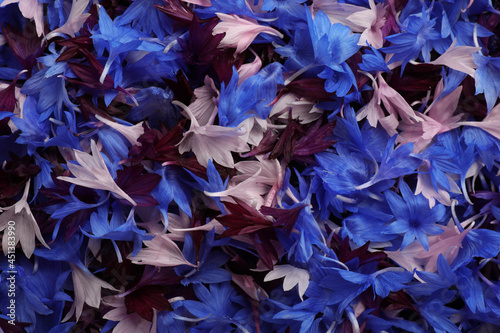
(249, 166)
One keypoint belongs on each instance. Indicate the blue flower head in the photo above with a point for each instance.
(143, 15)
(413, 216)
(488, 78)
(419, 32)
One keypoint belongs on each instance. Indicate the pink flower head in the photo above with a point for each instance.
(440, 119)
(372, 20)
(240, 32)
(211, 141)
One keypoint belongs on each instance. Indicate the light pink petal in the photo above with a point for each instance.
(442, 110)
(93, 173)
(204, 108)
(448, 243)
(394, 102)
(161, 251)
(390, 123)
(424, 186)
(293, 276)
(489, 123)
(33, 10)
(131, 133)
(87, 289)
(338, 12)
(214, 142)
(249, 191)
(247, 70)
(459, 58)
(240, 32)
(211, 141)
(372, 20)
(75, 19)
(26, 228)
(127, 323)
(219, 228)
(372, 111)
(204, 3)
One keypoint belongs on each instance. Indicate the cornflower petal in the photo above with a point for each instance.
(93, 173)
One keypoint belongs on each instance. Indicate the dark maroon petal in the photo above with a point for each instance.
(265, 145)
(243, 219)
(88, 107)
(201, 47)
(15, 174)
(286, 143)
(8, 96)
(313, 89)
(145, 299)
(262, 240)
(181, 88)
(138, 185)
(314, 141)
(5, 326)
(26, 45)
(178, 11)
(345, 253)
(285, 218)
(224, 61)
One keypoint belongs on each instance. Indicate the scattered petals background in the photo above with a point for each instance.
(249, 166)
